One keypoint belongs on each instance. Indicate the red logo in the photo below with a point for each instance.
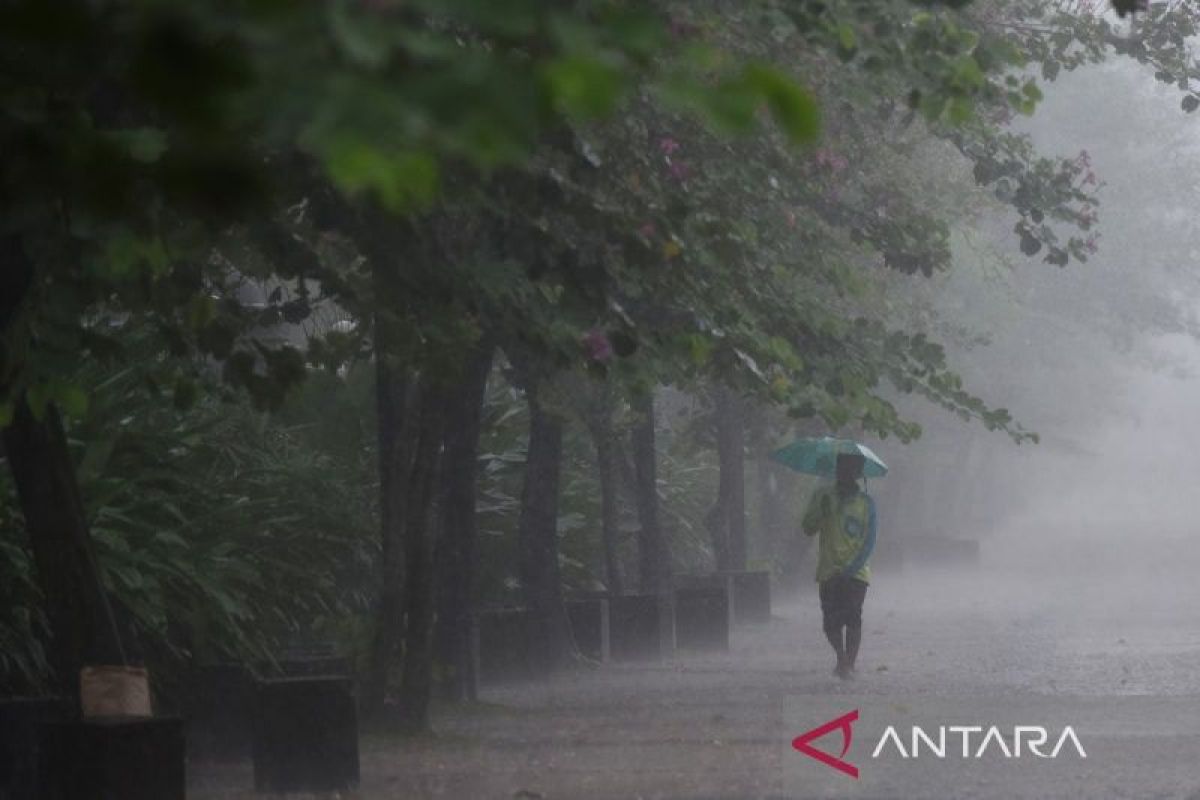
(844, 722)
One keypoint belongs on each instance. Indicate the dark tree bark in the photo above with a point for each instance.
(654, 562)
(727, 520)
(770, 509)
(417, 681)
(81, 619)
(537, 534)
(458, 549)
(604, 438)
(391, 403)
(84, 630)
(733, 470)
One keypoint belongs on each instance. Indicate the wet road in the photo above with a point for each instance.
(1123, 667)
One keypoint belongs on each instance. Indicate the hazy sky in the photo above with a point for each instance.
(1079, 355)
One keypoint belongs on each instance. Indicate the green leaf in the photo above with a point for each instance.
(700, 349)
(6, 413)
(960, 110)
(1029, 244)
(126, 254)
(794, 108)
(729, 107)
(185, 394)
(37, 395)
(402, 181)
(72, 398)
(968, 74)
(201, 310)
(145, 145)
(583, 87)
(846, 37)
(360, 39)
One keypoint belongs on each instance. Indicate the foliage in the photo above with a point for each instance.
(559, 176)
(220, 532)
(130, 130)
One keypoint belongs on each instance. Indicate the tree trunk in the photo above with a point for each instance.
(733, 471)
(654, 562)
(727, 520)
(770, 511)
(458, 549)
(537, 534)
(84, 630)
(603, 437)
(391, 403)
(417, 682)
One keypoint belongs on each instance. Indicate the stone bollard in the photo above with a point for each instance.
(219, 706)
(21, 722)
(305, 735)
(133, 758)
(309, 660)
(704, 609)
(751, 595)
(641, 627)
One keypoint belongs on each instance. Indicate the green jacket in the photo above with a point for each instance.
(846, 529)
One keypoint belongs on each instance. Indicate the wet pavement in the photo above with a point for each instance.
(1122, 667)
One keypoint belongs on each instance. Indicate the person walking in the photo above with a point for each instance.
(842, 516)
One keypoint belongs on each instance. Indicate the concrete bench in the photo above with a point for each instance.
(127, 757)
(641, 627)
(305, 735)
(218, 707)
(751, 595)
(704, 611)
(21, 723)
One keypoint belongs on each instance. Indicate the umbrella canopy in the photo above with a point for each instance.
(819, 456)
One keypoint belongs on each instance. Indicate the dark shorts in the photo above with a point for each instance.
(842, 601)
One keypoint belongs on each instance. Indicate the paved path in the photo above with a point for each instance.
(714, 726)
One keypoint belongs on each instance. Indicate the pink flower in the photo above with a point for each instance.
(668, 145)
(597, 345)
(679, 170)
(647, 230)
(679, 28)
(834, 162)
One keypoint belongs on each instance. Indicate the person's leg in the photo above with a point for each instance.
(831, 621)
(853, 640)
(833, 632)
(855, 595)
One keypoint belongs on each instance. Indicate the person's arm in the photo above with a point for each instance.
(868, 543)
(818, 507)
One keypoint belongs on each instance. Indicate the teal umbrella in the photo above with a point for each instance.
(819, 456)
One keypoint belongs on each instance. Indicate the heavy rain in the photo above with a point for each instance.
(535, 400)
